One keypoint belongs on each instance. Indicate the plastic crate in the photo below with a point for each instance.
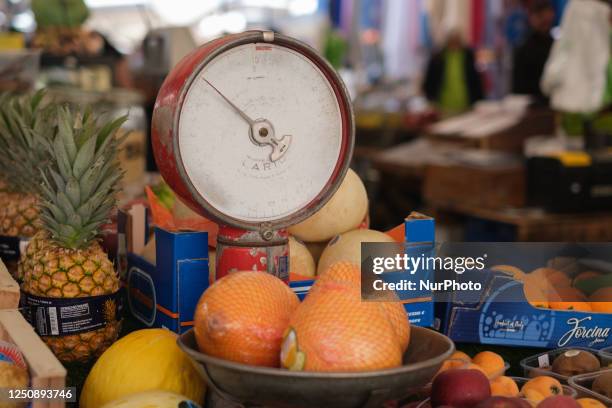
(582, 384)
(541, 364)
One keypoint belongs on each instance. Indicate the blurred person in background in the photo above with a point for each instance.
(530, 58)
(451, 80)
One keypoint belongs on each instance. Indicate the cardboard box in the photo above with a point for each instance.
(164, 294)
(501, 315)
(46, 372)
(9, 289)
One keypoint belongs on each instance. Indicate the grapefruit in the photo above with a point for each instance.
(337, 332)
(343, 212)
(347, 247)
(300, 259)
(601, 300)
(345, 274)
(242, 317)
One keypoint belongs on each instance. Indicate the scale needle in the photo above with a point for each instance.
(244, 116)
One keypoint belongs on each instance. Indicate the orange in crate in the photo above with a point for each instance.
(242, 317)
(337, 332)
(601, 300)
(492, 364)
(540, 388)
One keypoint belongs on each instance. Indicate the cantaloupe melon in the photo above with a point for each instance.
(347, 247)
(152, 399)
(343, 212)
(300, 259)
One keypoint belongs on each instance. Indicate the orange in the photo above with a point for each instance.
(492, 364)
(589, 403)
(242, 318)
(457, 360)
(574, 306)
(553, 276)
(513, 271)
(601, 300)
(534, 293)
(585, 276)
(504, 387)
(342, 274)
(472, 366)
(540, 388)
(566, 294)
(335, 331)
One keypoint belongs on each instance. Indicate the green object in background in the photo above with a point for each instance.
(454, 94)
(60, 13)
(335, 49)
(165, 195)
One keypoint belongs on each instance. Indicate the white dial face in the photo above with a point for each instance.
(260, 132)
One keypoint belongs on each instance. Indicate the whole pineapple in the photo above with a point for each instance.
(27, 127)
(65, 259)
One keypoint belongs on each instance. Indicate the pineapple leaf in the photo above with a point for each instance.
(73, 192)
(84, 158)
(66, 133)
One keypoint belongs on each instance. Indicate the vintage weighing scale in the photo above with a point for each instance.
(254, 131)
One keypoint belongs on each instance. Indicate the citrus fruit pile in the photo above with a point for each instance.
(254, 318)
(550, 288)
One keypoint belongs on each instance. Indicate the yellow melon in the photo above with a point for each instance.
(152, 399)
(300, 259)
(343, 212)
(347, 247)
(144, 360)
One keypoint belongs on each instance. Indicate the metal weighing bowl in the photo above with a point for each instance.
(251, 386)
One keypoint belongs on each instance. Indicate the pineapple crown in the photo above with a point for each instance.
(80, 184)
(27, 127)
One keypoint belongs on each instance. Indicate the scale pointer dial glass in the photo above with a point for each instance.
(286, 104)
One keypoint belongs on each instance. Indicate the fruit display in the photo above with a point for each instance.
(145, 361)
(242, 318)
(26, 132)
(490, 364)
(549, 288)
(65, 259)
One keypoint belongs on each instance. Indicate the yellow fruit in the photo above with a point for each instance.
(343, 212)
(492, 364)
(300, 259)
(144, 360)
(589, 403)
(540, 388)
(150, 399)
(347, 247)
(504, 387)
(242, 318)
(335, 331)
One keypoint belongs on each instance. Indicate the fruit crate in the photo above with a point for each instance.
(583, 383)
(46, 372)
(541, 364)
(9, 289)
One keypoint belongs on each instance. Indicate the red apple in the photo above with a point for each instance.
(460, 388)
(559, 401)
(503, 402)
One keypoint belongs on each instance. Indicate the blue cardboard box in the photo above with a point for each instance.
(164, 294)
(418, 229)
(501, 315)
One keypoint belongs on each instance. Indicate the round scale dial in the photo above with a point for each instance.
(253, 130)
